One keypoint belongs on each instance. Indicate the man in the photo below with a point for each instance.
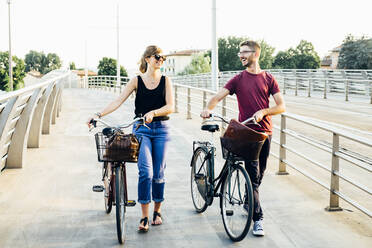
(253, 88)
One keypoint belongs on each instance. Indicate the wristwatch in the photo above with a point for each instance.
(98, 114)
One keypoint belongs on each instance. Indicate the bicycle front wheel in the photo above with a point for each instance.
(120, 202)
(199, 180)
(237, 203)
(108, 187)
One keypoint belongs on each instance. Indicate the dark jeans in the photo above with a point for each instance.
(256, 171)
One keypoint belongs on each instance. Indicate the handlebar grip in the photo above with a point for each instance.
(93, 122)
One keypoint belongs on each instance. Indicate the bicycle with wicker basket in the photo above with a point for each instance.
(115, 149)
(232, 185)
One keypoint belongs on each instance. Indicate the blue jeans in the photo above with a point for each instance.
(151, 160)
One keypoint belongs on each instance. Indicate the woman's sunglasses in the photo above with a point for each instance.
(158, 57)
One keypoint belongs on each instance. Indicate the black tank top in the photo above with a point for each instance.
(147, 100)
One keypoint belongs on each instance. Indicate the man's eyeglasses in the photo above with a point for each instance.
(245, 52)
(158, 57)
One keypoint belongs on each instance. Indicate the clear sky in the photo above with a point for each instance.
(63, 26)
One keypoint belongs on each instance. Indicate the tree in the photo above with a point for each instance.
(34, 61)
(200, 63)
(355, 53)
(107, 67)
(72, 66)
(18, 72)
(42, 63)
(266, 57)
(228, 49)
(303, 56)
(306, 57)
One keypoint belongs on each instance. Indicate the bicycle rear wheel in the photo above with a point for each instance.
(120, 202)
(108, 187)
(236, 192)
(199, 180)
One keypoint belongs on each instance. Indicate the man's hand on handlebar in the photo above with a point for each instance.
(259, 115)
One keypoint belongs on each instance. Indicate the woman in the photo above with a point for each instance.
(154, 101)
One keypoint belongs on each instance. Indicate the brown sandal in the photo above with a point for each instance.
(145, 223)
(156, 214)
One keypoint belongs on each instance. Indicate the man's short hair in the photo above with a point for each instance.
(251, 44)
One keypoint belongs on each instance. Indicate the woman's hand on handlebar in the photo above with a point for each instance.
(90, 121)
(149, 116)
(206, 113)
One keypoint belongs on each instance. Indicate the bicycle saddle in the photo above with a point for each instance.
(210, 127)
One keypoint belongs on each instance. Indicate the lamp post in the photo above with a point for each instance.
(118, 81)
(214, 48)
(10, 53)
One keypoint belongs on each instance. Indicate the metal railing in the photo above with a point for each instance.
(192, 100)
(321, 83)
(337, 153)
(27, 113)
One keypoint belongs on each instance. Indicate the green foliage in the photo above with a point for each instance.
(107, 67)
(200, 63)
(266, 57)
(285, 59)
(42, 63)
(306, 56)
(18, 72)
(355, 53)
(303, 57)
(227, 53)
(72, 66)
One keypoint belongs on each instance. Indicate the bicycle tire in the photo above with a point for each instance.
(231, 193)
(199, 192)
(108, 187)
(120, 203)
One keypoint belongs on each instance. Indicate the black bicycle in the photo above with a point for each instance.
(114, 152)
(233, 185)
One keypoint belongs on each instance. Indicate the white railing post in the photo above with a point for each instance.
(282, 151)
(188, 103)
(175, 99)
(223, 114)
(334, 199)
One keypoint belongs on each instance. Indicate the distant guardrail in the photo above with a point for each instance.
(192, 100)
(27, 113)
(305, 82)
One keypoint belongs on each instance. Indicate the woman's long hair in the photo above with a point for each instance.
(150, 50)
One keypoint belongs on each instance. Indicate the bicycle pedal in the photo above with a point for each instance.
(131, 203)
(98, 188)
(229, 212)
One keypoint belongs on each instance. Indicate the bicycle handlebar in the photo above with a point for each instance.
(251, 119)
(94, 123)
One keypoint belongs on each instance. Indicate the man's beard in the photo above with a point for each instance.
(249, 63)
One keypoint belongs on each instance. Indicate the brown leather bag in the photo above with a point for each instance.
(242, 141)
(122, 147)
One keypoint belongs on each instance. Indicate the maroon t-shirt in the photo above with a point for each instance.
(253, 93)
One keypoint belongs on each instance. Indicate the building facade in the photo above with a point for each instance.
(177, 61)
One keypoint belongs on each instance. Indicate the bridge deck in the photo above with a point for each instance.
(49, 203)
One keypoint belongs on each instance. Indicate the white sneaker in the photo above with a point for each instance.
(258, 228)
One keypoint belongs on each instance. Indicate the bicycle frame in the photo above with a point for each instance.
(229, 162)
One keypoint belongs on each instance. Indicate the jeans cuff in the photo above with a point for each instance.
(144, 201)
(158, 200)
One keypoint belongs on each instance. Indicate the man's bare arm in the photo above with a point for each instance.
(213, 102)
(277, 109)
